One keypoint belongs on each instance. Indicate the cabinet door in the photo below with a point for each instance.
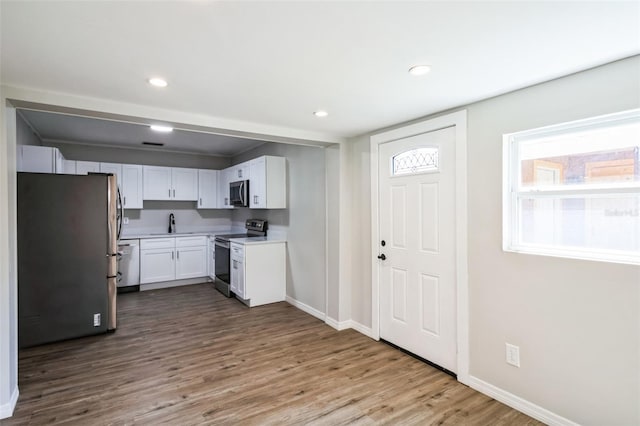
(184, 184)
(212, 262)
(240, 287)
(156, 183)
(258, 183)
(86, 167)
(191, 262)
(207, 189)
(36, 159)
(69, 167)
(224, 178)
(115, 169)
(58, 162)
(131, 186)
(242, 171)
(157, 265)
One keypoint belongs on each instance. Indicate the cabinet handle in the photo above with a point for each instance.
(169, 193)
(200, 202)
(174, 193)
(124, 200)
(171, 255)
(178, 254)
(239, 173)
(235, 264)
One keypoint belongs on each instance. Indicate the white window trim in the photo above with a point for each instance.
(511, 193)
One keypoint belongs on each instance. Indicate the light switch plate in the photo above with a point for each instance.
(125, 220)
(97, 320)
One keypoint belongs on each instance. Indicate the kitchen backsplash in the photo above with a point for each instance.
(154, 218)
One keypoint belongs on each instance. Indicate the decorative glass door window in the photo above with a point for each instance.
(414, 161)
(573, 190)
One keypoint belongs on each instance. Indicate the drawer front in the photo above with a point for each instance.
(191, 241)
(157, 243)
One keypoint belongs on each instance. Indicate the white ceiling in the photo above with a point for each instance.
(276, 62)
(67, 128)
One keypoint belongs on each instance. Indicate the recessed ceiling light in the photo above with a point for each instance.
(320, 113)
(419, 69)
(164, 129)
(158, 82)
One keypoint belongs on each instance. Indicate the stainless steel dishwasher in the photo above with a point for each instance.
(129, 265)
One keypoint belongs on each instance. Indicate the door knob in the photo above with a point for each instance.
(382, 257)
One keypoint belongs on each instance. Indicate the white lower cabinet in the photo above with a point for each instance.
(169, 259)
(191, 262)
(237, 270)
(157, 265)
(258, 272)
(212, 258)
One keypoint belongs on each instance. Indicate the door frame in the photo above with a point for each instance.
(459, 121)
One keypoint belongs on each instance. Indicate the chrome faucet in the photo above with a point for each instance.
(172, 224)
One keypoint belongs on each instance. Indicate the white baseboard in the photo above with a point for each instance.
(176, 283)
(367, 331)
(305, 308)
(338, 325)
(522, 405)
(6, 409)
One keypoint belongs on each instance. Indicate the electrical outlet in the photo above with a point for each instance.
(97, 319)
(513, 355)
(125, 220)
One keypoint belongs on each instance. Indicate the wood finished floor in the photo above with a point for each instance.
(189, 356)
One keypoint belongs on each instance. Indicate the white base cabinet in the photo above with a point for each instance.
(258, 272)
(169, 259)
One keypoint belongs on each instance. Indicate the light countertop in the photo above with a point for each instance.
(257, 240)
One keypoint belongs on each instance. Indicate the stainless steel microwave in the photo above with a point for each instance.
(239, 193)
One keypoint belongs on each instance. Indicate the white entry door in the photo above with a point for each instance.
(417, 237)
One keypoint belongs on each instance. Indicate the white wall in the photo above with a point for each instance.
(577, 322)
(303, 221)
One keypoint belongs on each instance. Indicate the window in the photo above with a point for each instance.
(418, 160)
(573, 190)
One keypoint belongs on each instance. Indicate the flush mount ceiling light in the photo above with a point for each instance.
(158, 82)
(163, 129)
(419, 70)
(320, 113)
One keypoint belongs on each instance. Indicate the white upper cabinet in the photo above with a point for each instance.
(69, 167)
(184, 184)
(39, 159)
(157, 183)
(225, 177)
(131, 186)
(238, 172)
(86, 167)
(167, 183)
(208, 189)
(129, 178)
(115, 169)
(268, 183)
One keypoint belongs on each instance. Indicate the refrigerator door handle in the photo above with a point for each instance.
(120, 214)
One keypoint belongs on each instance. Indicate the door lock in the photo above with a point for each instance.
(382, 257)
(383, 243)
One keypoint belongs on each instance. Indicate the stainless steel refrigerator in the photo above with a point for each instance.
(67, 256)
